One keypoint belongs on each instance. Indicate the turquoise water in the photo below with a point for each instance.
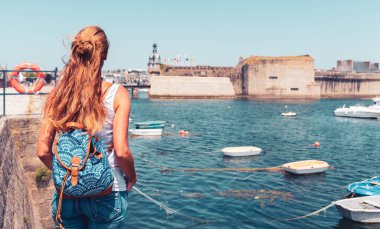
(242, 199)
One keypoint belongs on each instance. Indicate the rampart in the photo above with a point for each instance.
(279, 77)
(190, 87)
(234, 73)
(335, 84)
(22, 203)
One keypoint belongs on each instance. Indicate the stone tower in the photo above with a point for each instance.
(154, 64)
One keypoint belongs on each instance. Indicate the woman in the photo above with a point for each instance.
(103, 108)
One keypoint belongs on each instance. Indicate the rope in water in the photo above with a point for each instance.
(310, 214)
(170, 210)
(167, 169)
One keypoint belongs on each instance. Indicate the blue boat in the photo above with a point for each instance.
(150, 125)
(367, 187)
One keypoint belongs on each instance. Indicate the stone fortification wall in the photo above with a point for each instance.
(279, 77)
(190, 87)
(336, 84)
(22, 203)
(234, 73)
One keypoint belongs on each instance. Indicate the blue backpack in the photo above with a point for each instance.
(80, 166)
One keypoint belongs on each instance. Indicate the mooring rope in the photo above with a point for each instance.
(310, 214)
(167, 169)
(170, 210)
(151, 162)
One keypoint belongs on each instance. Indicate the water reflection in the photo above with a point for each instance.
(349, 224)
(247, 160)
(310, 179)
(357, 120)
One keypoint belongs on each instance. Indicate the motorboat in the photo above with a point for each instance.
(361, 209)
(367, 187)
(145, 132)
(306, 167)
(289, 114)
(360, 111)
(150, 125)
(241, 151)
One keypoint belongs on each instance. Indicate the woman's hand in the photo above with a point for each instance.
(130, 181)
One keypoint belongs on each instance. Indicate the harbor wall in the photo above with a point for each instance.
(22, 203)
(279, 77)
(334, 84)
(234, 73)
(191, 87)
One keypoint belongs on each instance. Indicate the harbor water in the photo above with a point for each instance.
(227, 199)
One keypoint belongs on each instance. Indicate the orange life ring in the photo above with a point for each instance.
(21, 89)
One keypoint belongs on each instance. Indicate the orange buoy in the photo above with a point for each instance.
(21, 89)
(317, 144)
(183, 132)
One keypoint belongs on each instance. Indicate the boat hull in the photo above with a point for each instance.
(305, 167)
(241, 151)
(357, 112)
(146, 132)
(360, 209)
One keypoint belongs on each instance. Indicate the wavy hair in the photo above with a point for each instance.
(78, 95)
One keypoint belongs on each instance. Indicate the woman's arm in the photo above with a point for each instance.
(123, 154)
(44, 144)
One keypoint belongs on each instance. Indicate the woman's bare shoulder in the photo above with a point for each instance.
(121, 97)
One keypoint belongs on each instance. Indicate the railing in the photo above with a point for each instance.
(4, 77)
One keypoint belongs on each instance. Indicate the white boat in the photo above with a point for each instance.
(360, 209)
(289, 114)
(360, 111)
(150, 125)
(146, 132)
(305, 167)
(241, 151)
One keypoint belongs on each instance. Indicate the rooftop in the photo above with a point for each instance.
(257, 59)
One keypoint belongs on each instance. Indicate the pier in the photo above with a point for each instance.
(135, 89)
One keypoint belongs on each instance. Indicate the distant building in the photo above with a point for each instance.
(154, 64)
(356, 66)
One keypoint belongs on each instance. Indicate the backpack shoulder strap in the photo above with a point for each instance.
(75, 125)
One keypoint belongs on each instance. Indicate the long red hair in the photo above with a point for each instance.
(78, 95)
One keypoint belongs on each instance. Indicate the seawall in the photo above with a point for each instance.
(335, 84)
(22, 203)
(191, 87)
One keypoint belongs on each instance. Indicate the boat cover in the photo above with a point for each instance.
(367, 187)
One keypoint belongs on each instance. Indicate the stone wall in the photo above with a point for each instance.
(234, 73)
(279, 77)
(22, 203)
(336, 84)
(190, 87)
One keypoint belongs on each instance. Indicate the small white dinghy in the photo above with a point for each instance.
(146, 132)
(305, 167)
(360, 209)
(289, 114)
(241, 151)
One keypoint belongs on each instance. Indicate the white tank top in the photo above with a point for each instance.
(106, 136)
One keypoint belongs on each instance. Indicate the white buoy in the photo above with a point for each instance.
(306, 167)
(241, 151)
(289, 114)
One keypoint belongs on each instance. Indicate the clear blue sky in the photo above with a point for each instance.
(213, 32)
